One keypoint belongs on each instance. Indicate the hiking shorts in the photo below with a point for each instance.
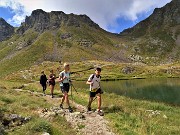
(65, 87)
(93, 94)
(52, 83)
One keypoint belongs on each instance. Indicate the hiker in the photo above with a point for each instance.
(65, 82)
(43, 81)
(52, 82)
(95, 90)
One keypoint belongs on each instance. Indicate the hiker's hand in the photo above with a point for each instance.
(64, 77)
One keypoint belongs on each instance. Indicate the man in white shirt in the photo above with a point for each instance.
(95, 89)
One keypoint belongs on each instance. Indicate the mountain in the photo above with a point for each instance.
(158, 36)
(6, 30)
(41, 21)
(56, 36)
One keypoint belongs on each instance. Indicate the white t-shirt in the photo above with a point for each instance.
(96, 81)
(63, 74)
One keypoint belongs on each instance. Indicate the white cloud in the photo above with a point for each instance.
(103, 12)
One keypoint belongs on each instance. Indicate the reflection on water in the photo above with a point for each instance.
(161, 90)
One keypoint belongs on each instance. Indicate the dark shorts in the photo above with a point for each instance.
(52, 83)
(65, 87)
(93, 94)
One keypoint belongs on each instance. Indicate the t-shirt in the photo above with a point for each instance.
(96, 81)
(63, 74)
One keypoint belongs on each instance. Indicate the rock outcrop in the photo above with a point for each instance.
(6, 30)
(162, 18)
(41, 21)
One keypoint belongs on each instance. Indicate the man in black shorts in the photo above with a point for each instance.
(95, 89)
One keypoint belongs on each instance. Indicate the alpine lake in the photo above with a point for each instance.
(164, 90)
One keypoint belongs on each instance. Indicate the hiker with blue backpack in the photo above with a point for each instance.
(65, 82)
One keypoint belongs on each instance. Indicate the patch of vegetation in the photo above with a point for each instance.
(110, 71)
(26, 104)
(128, 116)
(133, 116)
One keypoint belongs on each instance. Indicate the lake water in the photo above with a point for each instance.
(159, 90)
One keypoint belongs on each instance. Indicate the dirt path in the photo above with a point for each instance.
(86, 123)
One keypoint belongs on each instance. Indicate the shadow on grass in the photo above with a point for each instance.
(113, 109)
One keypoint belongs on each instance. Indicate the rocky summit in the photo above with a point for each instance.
(41, 21)
(6, 30)
(161, 19)
(158, 36)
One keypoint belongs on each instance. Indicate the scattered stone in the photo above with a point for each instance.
(12, 120)
(164, 116)
(128, 70)
(66, 36)
(135, 58)
(153, 113)
(45, 133)
(85, 43)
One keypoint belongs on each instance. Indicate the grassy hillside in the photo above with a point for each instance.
(84, 43)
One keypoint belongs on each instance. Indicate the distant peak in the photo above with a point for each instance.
(57, 12)
(3, 22)
(38, 11)
(2, 19)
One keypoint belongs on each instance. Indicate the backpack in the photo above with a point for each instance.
(93, 76)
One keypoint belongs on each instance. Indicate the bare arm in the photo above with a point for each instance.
(61, 79)
(89, 82)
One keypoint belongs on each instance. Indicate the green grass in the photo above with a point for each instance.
(26, 104)
(129, 116)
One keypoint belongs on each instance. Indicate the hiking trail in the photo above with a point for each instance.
(85, 123)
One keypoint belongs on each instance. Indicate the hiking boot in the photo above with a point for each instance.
(100, 112)
(61, 106)
(89, 109)
(70, 109)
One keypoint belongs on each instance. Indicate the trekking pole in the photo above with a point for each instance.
(94, 99)
(71, 93)
(74, 88)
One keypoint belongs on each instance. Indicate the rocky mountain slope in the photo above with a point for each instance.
(6, 30)
(55, 36)
(158, 36)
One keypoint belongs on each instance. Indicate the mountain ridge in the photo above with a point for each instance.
(41, 20)
(56, 36)
(6, 30)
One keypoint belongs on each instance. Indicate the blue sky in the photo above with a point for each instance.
(113, 16)
(6, 13)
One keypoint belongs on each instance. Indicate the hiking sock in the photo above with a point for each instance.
(70, 109)
(61, 106)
